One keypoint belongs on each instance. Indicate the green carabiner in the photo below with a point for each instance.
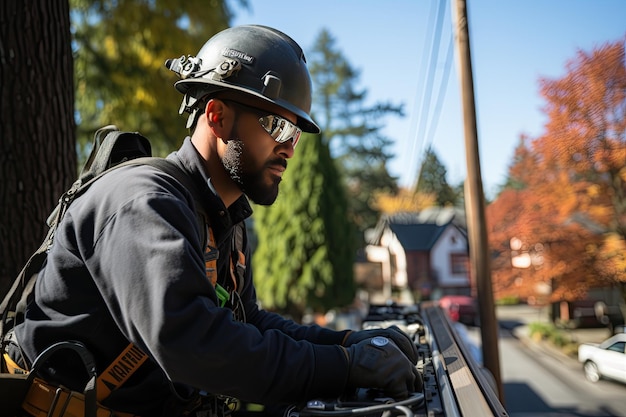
(222, 294)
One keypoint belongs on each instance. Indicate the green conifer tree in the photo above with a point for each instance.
(432, 180)
(353, 128)
(305, 251)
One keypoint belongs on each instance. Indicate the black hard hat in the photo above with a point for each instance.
(252, 59)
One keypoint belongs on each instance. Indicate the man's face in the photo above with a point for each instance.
(253, 158)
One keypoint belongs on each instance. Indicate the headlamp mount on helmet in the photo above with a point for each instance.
(184, 66)
(190, 67)
(257, 61)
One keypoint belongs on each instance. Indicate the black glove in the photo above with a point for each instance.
(401, 339)
(378, 363)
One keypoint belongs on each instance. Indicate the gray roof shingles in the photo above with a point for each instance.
(417, 237)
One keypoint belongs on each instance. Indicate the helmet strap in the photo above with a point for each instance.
(193, 106)
(193, 118)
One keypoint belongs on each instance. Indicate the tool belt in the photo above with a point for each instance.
(47, 400)
(40, 398)
(30, 393)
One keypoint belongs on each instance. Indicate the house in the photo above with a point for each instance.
(425, 254)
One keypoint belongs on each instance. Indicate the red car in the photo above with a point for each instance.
(461, 308)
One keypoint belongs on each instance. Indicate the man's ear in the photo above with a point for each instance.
(219, 117)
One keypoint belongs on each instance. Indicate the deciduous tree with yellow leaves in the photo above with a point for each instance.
(121, 47)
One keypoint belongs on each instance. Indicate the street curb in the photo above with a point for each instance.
(521, 333)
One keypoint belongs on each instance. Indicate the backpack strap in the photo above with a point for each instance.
(108, 150)
(13, 306)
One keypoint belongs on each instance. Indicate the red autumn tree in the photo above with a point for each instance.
(565, 201)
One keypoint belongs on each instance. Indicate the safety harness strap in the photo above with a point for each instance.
(237, 263)
(238, 259)
(211, 254)
(119, 371)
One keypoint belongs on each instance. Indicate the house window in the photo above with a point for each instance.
(459, 263)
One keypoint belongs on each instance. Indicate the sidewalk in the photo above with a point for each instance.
(517, 319)
(594, 335)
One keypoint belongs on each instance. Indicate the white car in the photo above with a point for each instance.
(607, 359)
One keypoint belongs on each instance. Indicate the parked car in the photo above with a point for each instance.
(460, 308)
(606, 359)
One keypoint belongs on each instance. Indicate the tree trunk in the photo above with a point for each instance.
(37, 128)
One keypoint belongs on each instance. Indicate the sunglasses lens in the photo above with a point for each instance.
(280, 129)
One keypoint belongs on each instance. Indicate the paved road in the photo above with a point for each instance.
(539, 381)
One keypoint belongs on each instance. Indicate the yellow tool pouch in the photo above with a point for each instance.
(13, 387)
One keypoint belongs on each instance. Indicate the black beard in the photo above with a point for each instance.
(259, 193)
(232, 160)
(250, 182)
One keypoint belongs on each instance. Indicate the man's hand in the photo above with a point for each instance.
(378, 363)
(401, 339)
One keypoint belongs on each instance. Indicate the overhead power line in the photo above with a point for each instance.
(427, 119)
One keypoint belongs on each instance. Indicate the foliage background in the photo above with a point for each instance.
(120, 50)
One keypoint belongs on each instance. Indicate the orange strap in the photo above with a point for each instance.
(211, 254)
(210, 261)
(119, 371)
(236, 261)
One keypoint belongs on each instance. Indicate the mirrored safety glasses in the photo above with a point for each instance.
(279, 128)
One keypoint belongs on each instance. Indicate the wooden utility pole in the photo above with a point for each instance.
(475, 201)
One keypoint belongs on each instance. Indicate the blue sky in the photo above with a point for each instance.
(513, 44)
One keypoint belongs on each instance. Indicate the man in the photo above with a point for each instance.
(131, 263)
